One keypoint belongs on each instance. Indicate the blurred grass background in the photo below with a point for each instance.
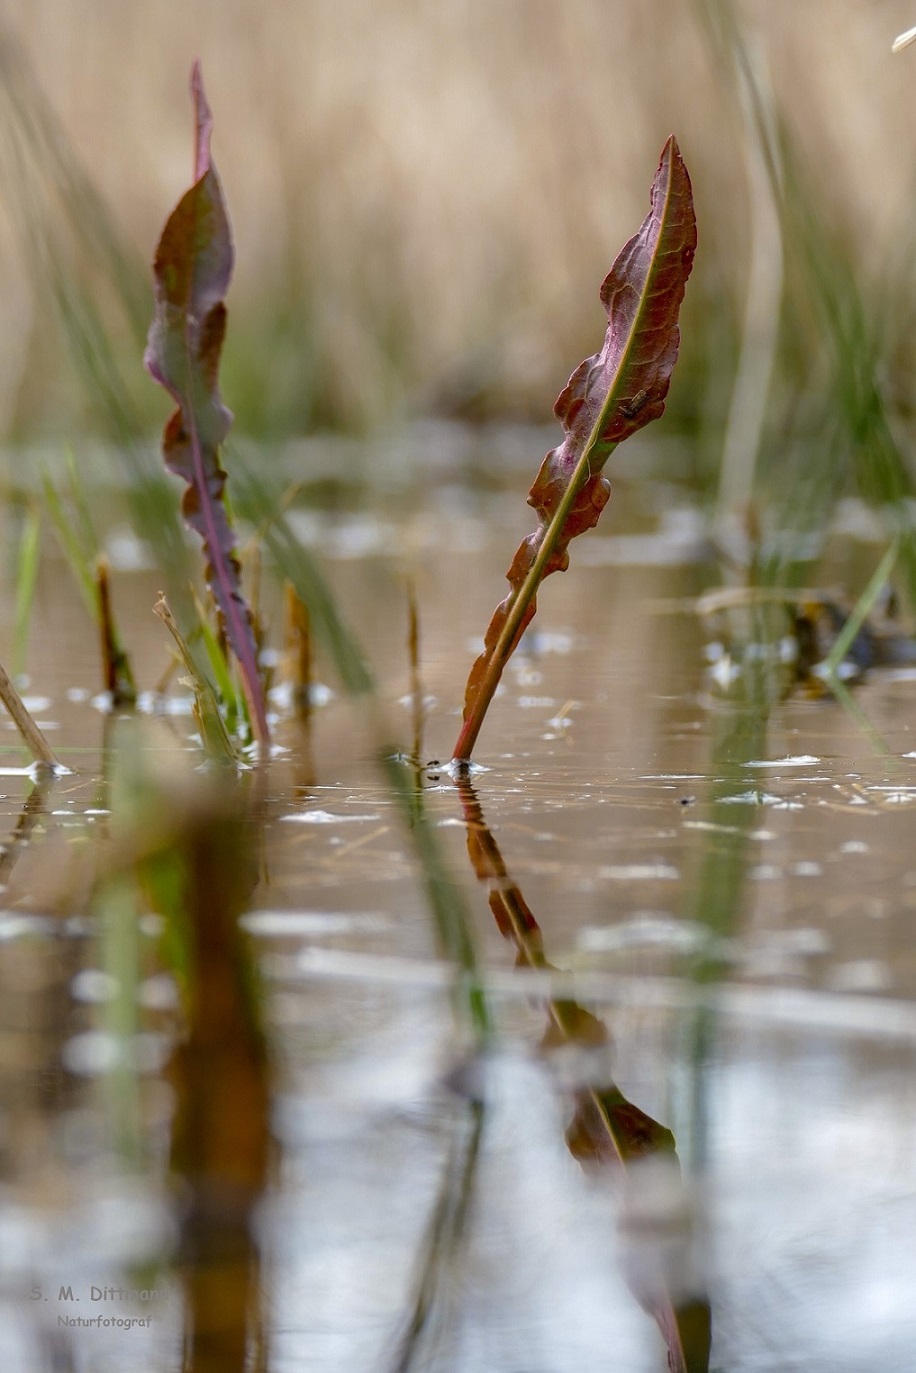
(426, 197)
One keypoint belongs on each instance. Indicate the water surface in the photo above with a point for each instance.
(738, 918)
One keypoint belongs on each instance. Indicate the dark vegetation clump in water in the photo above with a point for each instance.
(190, 851)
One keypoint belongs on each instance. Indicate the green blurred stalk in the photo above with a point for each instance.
(26, 581)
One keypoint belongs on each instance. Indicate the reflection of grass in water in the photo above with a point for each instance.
(186, 847)
(442, 1245)
(33, 810)
(715, 901)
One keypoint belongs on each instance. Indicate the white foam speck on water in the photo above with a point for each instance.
(807, 868)
(283, 695)
(552, 641)
(126, 553)
(895, 796)
(324, 817)
(762, 836)
(91, 1053)
(36, 704)
(16, 926)
(859, 975)
(801, 760)
(95, 1052)
(94, 986)
(458, 767)
(654, 929)
(151, 703)
(639, 872)
(672, 776)
(725, 672)
(159, 993)
(290, 924)
(764, 872)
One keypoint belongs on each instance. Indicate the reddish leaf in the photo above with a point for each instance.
(192, 269)
(607, 398)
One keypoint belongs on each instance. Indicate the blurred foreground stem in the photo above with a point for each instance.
(32, 736)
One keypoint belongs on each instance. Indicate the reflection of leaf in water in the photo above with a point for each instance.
(606, 1128)
(221, 1130)
(184, 846)
(609, 1129)
(448, 1224)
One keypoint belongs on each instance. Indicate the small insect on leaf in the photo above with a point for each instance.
(629, 408)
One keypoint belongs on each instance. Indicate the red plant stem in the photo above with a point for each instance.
(521, 601)
(237, 628)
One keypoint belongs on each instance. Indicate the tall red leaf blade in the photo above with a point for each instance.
(609, 397)
(192, 268)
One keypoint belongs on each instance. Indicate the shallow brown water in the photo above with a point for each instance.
(787, 1079)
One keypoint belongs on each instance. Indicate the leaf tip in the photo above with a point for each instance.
(203, 121)
(672, 158)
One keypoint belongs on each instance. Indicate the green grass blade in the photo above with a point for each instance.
(26, 580)
(446, 899)
(233, 700)
(213, 732)
(259, 503)
(79, 559)
(861, 611)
